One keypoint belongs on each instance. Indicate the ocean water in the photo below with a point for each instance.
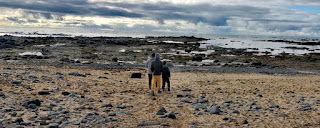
(251, 43)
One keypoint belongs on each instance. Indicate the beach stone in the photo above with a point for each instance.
(283, 115)
(199, 113)
(114, 119)
(228, 101)
(2, 95)
(65, 111)
(61, 120)
(201, 100)
(44, 117)
(44, 93)
(107, 110)
(171, 115)
(122, 106)
(235, 111)
(227, 119)
(59, 73)
(77, 74)
(185, 101)
(148, 124)
(65, 93)
(184, 95)
(107, 105)
(198, 106)
(161, 111)
(19, 120)
(187, 90)
(91, 114)
(215, 110)
(136, 75)
(32, 106)
(112, 114)
(274, 106)
(152, 98)
(164, 124)
(245, 122)
(102, 77)
(35, 101)
(259, 95)
(13, 114)
(16, 82)
(53, 125)
(76, 123)
(305, 107)
(44, 123)
(32, 77)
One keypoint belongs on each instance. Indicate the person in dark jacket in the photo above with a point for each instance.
(165, 76)
(156, 68)
(148, 65)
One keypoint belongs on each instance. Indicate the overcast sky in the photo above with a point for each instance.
(257, 17)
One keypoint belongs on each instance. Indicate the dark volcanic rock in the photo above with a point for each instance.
(226, 118)
(112, 114)
(32, 106)
(171, 115)
(198, 106)
(32, 77)
(77, 74)
(65, 93)
(245, 122)
(235, 111)
(136, 75)
(184, 95)
(148, 124)
(283, 115)
(305, 107)
(161, 111)
(122, 106)
(2, 95)
(35, 102)
(44, 93)
(16, 82)
(107, 105)
(256, 64)
(19, 120)
(197, 58)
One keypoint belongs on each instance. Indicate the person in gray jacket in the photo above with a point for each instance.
(148, 65)
(156, 68)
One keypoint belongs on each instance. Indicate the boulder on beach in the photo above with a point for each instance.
(136, 75)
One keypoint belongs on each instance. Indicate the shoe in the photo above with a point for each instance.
(169, 89)
(163, 89)
(152, 93)
(159, 91)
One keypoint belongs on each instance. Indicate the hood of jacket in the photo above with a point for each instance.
(157, 56)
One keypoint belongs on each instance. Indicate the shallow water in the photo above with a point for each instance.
(253, 44)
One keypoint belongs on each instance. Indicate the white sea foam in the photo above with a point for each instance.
(30, 54)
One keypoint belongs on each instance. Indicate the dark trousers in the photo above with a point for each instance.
(150, 80)
(164, 80)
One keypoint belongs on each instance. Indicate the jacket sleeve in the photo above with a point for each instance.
(161, 67)
(152, 67)
(147, 63)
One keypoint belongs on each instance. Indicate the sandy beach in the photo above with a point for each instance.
(108, 97)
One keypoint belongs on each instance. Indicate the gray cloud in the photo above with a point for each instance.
(254, 16)
(76, 7)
